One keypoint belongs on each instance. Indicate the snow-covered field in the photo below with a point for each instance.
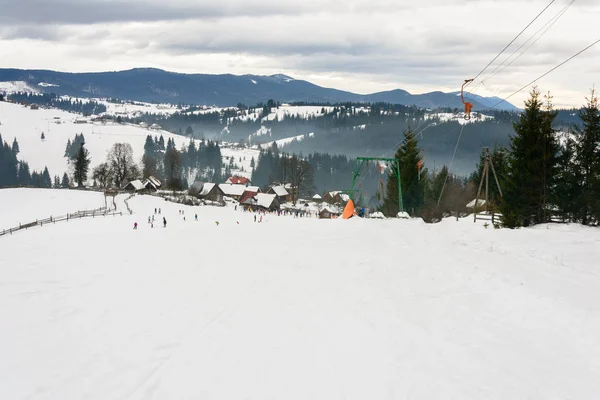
(304, 112)
(16, 86)
(460, 117)
(58, 126)
(286, 141)
(21, 206)
(296, 308)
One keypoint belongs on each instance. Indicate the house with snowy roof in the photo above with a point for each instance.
(134, 186)
(328, 213)
(282, 194)
(267, 201)
(152, 183)
(233, 191)
(239, 180)
(211, 192)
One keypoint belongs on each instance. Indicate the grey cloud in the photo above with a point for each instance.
(81, 12)
(36, 32)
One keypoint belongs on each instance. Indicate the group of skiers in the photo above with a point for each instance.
(159, 211)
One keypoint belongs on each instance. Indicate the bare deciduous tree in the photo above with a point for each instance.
(120, 160)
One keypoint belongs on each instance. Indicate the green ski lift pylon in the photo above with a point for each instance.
(395, 165)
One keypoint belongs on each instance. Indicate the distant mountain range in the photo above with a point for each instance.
(155, 85)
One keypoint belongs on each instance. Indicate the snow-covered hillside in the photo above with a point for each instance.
(304, 308)
(59, 126)
(16, 86)
(283, 142)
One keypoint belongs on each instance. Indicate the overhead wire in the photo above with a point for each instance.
(545, 28)
(450, 167)
(546, 73)
(511, 42)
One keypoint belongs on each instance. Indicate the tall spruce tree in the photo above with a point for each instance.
(64, 183)
(587, 159)
(15, 146)
(532, 165)
(82, 165)
(46, 179)
(567, 184)
(409, 157)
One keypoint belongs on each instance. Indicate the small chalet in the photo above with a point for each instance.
(212, 192)
(326, 213)
(336, 197)
(134, 186)
(282, 194)
(155, 127)
(151, 183)
(233, 191)
(249, 193)
(239, 180)
(317, 198)
(266, 201)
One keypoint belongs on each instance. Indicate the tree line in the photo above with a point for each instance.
(88, 107)
(544, 174)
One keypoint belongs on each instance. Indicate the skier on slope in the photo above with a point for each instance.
(164, 222)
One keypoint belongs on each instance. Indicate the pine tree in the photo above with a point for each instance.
(24, 174)
(15, 147)
(532, 166)
(410, 161)
(68, 149)
(82, 165)
(587, 159)
(65, 181)
(568, 180)
(56, 182)
(46, 180)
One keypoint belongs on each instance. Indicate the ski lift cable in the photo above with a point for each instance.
(548, 72)
(511, 42)
(450, 167)
(545, 28)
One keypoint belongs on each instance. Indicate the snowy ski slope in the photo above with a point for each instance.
(296, 308)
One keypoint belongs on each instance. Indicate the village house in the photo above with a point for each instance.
(326, 213)
(336, 197)
(134, 186)
(233, 191)
(211, 192)
(249, 193)
(151, 183)
(239, 180)
(282, 194)
(266, 201)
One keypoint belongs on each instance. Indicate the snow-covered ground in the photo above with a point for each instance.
(460, 117)
(21, 206)
(137, 109)
(16, 86)
(58, 126)
(296, 309)
(286, 141)
(304, 112)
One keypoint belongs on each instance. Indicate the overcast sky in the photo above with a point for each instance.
(362, 46)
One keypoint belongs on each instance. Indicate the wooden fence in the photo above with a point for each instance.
(99, 212)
